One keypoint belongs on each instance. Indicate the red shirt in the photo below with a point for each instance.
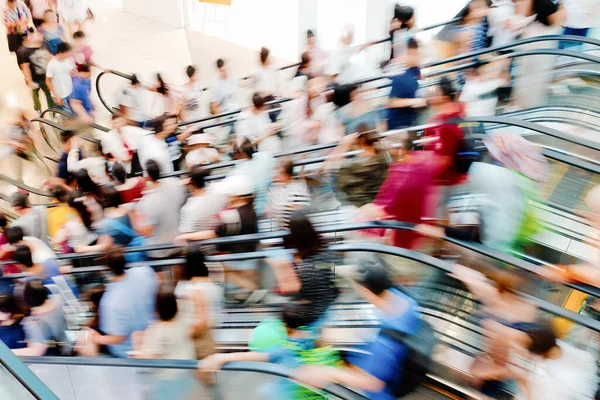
(83, 55)
(129, 193)
(448, 142)
(405, 194)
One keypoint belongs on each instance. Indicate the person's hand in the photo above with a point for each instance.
(59, 101)
(180, 240)
(212, 363)
(32, 85)
(463, 273)
(93, 335)
(351, 138)
(87, 119)
(20, 147)
(430, 230)
(419, 103)
(186, 133)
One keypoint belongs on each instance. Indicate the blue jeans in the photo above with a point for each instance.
(583, 32)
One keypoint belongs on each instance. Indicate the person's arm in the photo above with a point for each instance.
(185, 134)
(106, 340)
(319, 377)
(405, 103)
(272, 130)
(287, 279)
(476, 283)
(32, 350)
(216, 361)
(77, 106)
(104, 242)
(195, 236)
(559, 18)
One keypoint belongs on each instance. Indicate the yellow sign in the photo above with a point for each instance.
(221, 2)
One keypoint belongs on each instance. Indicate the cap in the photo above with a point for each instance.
(237, 186)
(200, 138)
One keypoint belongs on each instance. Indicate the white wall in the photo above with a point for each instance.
(166, 12)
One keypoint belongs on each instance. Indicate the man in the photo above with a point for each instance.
(44, 271)
(58, 75)
(33, 60)
(223, 98)
(40, 252)
(80, 101)
(158, 209)
(93, 162)
(155, 146)
(127, 306)
(403, 101)
(122, 142)
(31, 220)
(381, 369)
(287, 195)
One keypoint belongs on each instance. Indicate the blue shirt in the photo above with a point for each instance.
(404, 86)
(128, 306)
(386, 353)
(81, 91)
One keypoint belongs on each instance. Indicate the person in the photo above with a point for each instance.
(130, 189)
(31, 220)
(168, 94)
(157, 212)
(155, 146)
(254, 124)
(238, 219)
(201, 209)
(80, 101)
(304, 69)
(58, 75)
(33, 60)
(92, 195)
(470, 34)
(40, 251)
(358, 111)
(359, 178)
(403, 100)
(379, 370)
(15, 17)
(479, 93)
(46, 325)
(200, 152)
(122, 143)
(309, 277)
(265, 79)
(53, 32)
(38, 8)
(499, 16)
(316, 55)
(131, 103)
(17, 145)
(191, 96)
(127, 305)
(401, 30)
(89, 161)
(11, 329)
(77, 232)
(63, 175)
(61, 213)
(287, 195)
(339, 66)
(562, 371)
(581, 17)
(43, 271)
(74, 13)
(82, 51)
(224, 94)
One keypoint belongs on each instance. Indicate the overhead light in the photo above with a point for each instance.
(11, 100)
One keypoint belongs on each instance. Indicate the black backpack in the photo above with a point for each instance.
(472, 148)
(417, 363)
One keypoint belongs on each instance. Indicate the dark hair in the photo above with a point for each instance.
(153, 170)
(287, 164)
(63, 47)
(310, 33)
(543, 338)
(158, 123)
(195, 265)
(264, 54)
(14, 234)
(342, 93)
(35, 293)
(79, 35)
(66, 135)
(190, 71)
(95, 295)
(303, 237)
(412, 43)
(292, 315)
(220, 63)
(83, 68)
(304, 59)
(22, 255)
(119, 173)
(258, 100)
(115, 260)
(134, 79)
(246, 148)
(8, 304)
(110, 197)
(59, 193)
(85, 182)
(403, 14)
(198, 177)
(48, 11)
(376, 279)
(3, 220)
(19, 199)
(366, 134)
(76, 203)
(162, 86)
(447, 88)
(166, 302)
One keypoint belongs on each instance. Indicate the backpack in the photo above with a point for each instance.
(417, 362)
(472, 147)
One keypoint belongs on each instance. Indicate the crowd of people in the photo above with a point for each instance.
(148, 181)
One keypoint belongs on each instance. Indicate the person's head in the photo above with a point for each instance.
(3, 221)
(367, 136)
(34, 38)
(115, 260)
(264, 56)
(195, 266)
(190, 71)
(412, 58)
(118, 173)
(166, 302)
(342, 94)
(85, 182)
(75, 200)
(315, 86)
(474, 12)
(347, 35)
(293, 316)
(303, 237)
(19, 201)
(84, 71)
(22, 257)
(109, 197)
(50, 17)
(63, 50)
(222, 68)
(118, 121)
(153, 170)
(11, 3)
(239, 189)
(164, 126)
(258, 101)
(134, 80)
(162, 87)
(8, 306)
(59, 193)
(311, 39)
(244, 151)
(79, 39)
(373, 283)
(198, 177)
(406, 16)
(542, 339)
(66, 138)
(35, 293)
(444, 92)
(285, 170)
(14, 234)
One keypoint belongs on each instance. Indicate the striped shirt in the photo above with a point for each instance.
(283, 200)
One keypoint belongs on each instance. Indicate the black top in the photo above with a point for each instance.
(544, 9)
(37, 60)
(239, 221)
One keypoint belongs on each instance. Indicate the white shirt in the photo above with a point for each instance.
(501, 12)
(581, 13)
(60, 73)
(192, 102)
(200, 213)
(265, 80)
(479, 97)
(95, 166)
(201, 156)
(155, 149)
(114, 143)
(40, 251)
(225, 93)
(133, 99)
(252, 126)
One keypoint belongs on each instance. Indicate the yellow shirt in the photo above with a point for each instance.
(57, 216)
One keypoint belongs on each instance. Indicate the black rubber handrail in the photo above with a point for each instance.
(69, 115)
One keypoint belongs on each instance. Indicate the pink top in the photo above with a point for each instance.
(83, 55)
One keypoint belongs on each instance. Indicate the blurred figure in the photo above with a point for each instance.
(33, 60)
(287, 195)
(43, 271)
(482, 81)
(191, 96)
(499, 19)
(82, 51)
(17, 145)
(224, 93)
(40, 251)
(58, 75)
(31, 220)
(156, 146)
(255, 125)
(11, 329)
(121, 144)
(470, 35)
(53, 32)
(403, 102)
(80, 101)
(339, 66)
(46, 324)
(581, 17)
(126, 307)
(358, 111)
(304, 69)
(38, 9)
(200, 152)
(131, 103)
(77, 232)
(316, 55)
(169, 95)
(15, 17)
(74, 13)
(88, 158)
(130, 189)
(265, 79)
(61, 213)
(401, 30)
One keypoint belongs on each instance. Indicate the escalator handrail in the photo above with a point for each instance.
(64, 128)
(254, 367)
(69, 115)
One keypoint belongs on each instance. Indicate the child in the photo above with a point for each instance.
(82, 52)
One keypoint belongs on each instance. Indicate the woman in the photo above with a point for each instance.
(401, 29)
(76, 232)
(254, 124)
(169, 96)
(304, 69)
(91, 194)
(308, 278)
(11, 330)
(16, 17)
(200, 299)
(53, 32)
(130, 189)
(470, 35)
(316, 54)
(358, 112)
(265, 79)
(131, 104)
(74, 13)
(191, 96)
